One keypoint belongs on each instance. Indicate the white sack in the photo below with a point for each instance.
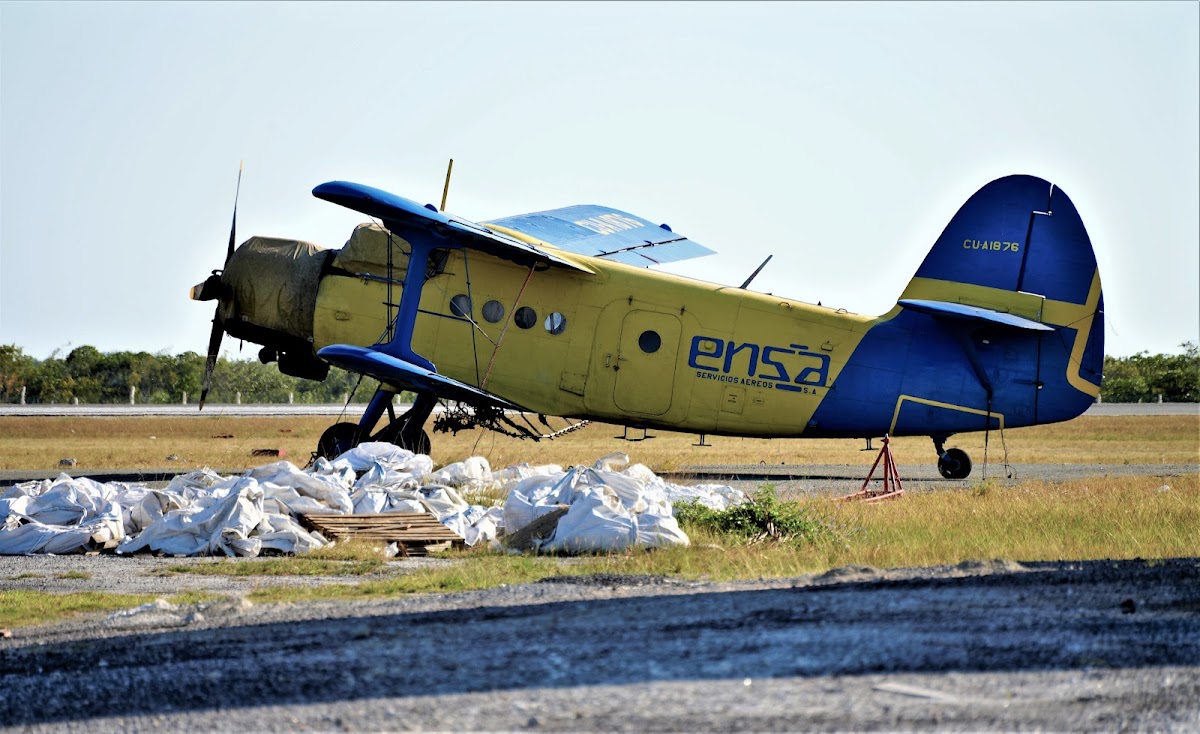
(476, 523)
(327, 490)
(510, 475)
(34, 537)
(657, 531)
(443, 501)
(222, 525)
(471, 475)
(62, 516)
(593, 525)
(362, 456)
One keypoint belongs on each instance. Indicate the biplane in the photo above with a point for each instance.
(558, 313)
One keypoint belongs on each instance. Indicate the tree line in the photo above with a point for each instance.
(92, 376)
(1144, 377)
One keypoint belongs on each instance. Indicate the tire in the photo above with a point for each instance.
(954, 464)
(420, 446)
(337, 440)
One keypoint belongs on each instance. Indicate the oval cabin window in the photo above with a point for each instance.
(649, 341)
(556, 323)
(525, 317)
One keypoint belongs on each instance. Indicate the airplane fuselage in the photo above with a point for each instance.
(638, 347)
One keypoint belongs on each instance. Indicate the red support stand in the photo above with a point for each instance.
(891, 479)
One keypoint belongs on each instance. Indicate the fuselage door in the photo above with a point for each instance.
(646, 362)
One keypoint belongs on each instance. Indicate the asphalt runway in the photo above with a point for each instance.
(356, 410)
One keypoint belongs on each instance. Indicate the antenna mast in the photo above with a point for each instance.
(446, 188)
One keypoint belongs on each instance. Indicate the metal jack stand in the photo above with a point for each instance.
(891, 479)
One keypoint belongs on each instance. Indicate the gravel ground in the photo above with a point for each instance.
(981, 646)
(790, 480)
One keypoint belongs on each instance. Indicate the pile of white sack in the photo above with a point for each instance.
(610, 506)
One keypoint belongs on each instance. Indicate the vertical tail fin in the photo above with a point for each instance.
(1018, 246)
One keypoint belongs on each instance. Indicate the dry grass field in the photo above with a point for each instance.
(226, 443)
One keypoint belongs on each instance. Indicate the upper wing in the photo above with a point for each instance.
(598, 231)
(407, 218)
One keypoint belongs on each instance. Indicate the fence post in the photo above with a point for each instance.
(132, 394)
(239, 397)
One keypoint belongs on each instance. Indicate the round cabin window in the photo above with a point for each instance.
(493, 311)
(460, 306)
(525, 317)
(555, 323)
(649, 341)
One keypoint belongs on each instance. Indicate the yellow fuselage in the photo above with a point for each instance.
(634, 346)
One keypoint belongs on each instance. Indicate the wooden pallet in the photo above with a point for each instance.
(416, 533)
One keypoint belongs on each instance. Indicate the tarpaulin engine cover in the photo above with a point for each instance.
(274, 282)
(367, 252)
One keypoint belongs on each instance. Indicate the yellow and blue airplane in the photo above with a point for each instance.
(557, 313)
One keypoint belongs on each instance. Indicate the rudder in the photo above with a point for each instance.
(1018, 246)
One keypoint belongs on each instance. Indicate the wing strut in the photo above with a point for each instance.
(410, 298)
(500, 339)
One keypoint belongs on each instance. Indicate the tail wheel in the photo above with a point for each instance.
(338, 439)
(954, 464)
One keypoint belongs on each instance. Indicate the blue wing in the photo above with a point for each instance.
(399, 373)
(599, 231)
(407, 218)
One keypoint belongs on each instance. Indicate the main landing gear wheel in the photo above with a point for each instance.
(954, 464)
(338, 439)
(420, 444)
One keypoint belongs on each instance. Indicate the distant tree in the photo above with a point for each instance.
(1144, 377)
(15, 370)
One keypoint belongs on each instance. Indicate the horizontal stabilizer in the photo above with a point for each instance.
(599, 231)
(963, 312)
(398, 373)
(406, 217)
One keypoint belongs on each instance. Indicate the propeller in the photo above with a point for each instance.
(218, 330)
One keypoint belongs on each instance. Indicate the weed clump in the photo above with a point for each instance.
(764, 518)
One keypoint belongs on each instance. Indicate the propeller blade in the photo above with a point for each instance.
(233, 227)
(212, 290)
(214, 349)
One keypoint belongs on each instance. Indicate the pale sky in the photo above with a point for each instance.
(840, 138)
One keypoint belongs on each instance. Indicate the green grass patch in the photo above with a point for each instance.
(1080, 520)
(348, 558)
(80, 575)
(474, 570)
(23, 608)
(280, 566)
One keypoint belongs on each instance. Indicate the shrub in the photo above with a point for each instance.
(764, 518)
